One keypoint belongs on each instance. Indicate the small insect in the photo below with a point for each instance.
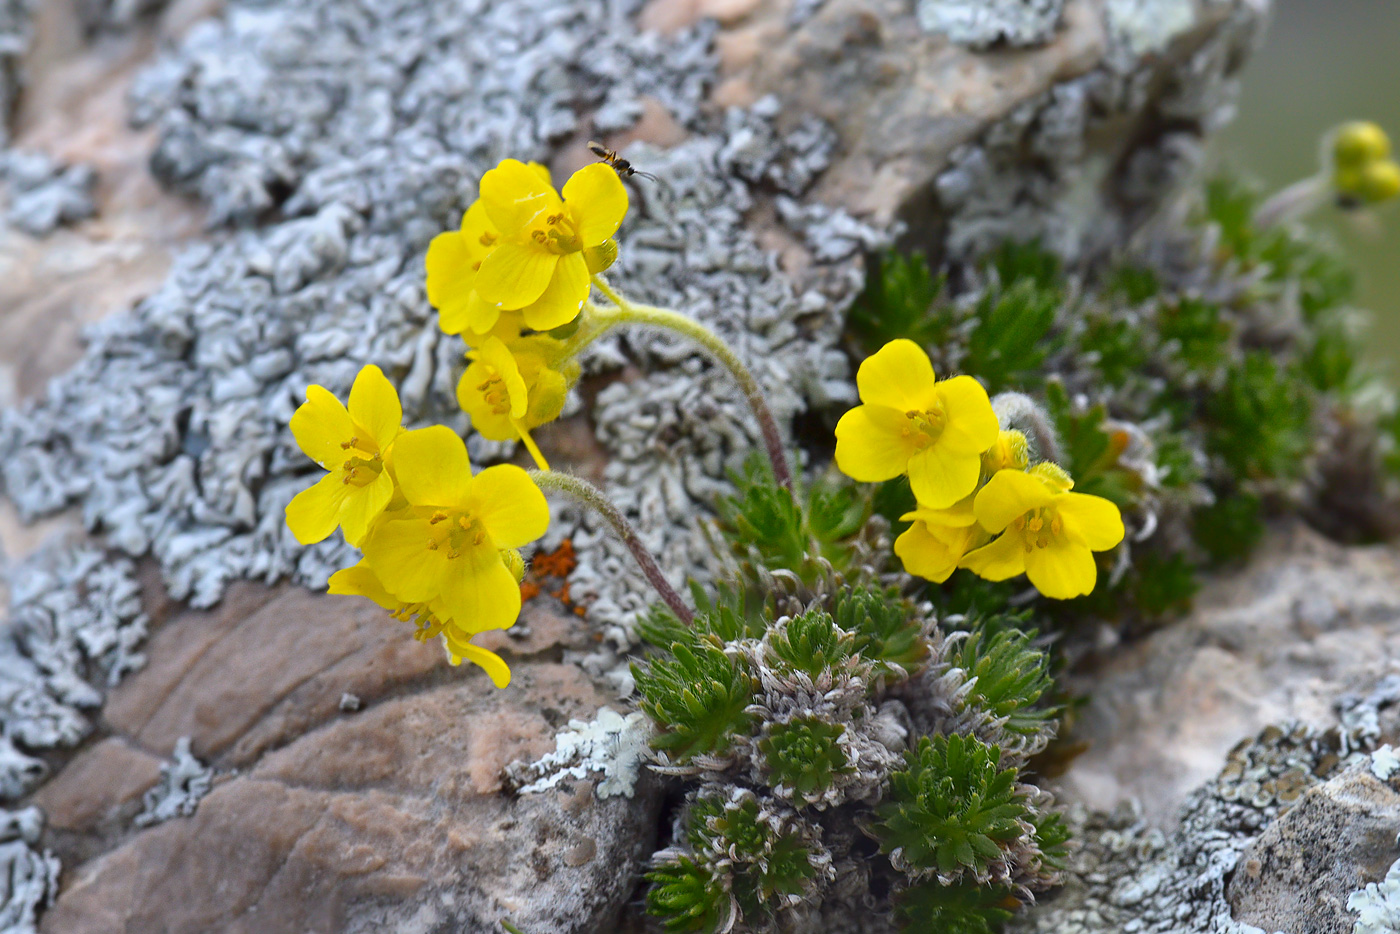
(610, 156)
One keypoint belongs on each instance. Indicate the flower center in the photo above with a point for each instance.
(926, 427)
(494, 391)
(364, 464)
(1039, 528)
(558, 235)
(455, 533)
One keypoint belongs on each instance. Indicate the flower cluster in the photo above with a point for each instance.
(437, 542)
(1363, 171)
(439, 545)
(981, 504)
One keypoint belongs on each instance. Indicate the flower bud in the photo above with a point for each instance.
(1359, 143)
(600, 257)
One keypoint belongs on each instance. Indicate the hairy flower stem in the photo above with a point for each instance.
(589, 495)
(627, 312)
(1292, 203)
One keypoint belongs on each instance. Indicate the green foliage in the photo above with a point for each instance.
(885, 629)
(1012, 677)
(697, 695)
(1052, 838)
(1010, 336)
(688, 896)
(1229, 529)
(952, 807)
(1193, 332)
(1091, 453)
(811, 643)
(787, 530)
(966, 908)
(1163, 584)
(899, 292)
(804, 754)
(1260, 420)
(728, 616)
(766, 862)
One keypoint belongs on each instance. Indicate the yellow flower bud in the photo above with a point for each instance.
(514, 563)
(1054, 475)
(1359, 143)
(1010, 452)
(600, 257)
(1380, 181)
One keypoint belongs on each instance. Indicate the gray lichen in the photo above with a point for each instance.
(28, 878)
(183, 782)
(45, 194)
(610, 744)
(74, 628)
(1378, 905)
(983, 23)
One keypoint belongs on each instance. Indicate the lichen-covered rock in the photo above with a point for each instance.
(1130, 876)
(1338, 837)
(1304, 623)
(983, 23)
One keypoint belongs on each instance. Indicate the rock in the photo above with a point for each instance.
(321, 820)
(1276, 641)
(1299, 874)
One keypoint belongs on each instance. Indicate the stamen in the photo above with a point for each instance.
(347, 445)
(437, 517)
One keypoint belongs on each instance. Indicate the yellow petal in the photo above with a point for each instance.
(1093, 520)
(898, 375)
(432, 467)
(314, 513)
(515, 275)
(479, 235)
(514, 195)
(958, 515)
(451, 271)
(600, 257)
(495, 667)
(597, 199)
(321, 425)
(940, 477)
(495, 355)
(481, 593)
(359, 581)
(397, 553)
(363, 505)
(926, 556)
(972, 425)
(510, 505)
(477, 317)
(374, 405)
(869, 445)
(1010, 493)
(1003, 558)
(1062, 570)
(563, 298)
(486, 421)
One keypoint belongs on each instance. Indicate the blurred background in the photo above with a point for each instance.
(1325, 61)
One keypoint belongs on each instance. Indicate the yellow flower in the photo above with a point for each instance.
(444, 548)
(933, 546)
(505, 388)
(453, 261)
(935, 431)
(542, 262)
(1049, 534)
(360, 581)
(352, 445)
